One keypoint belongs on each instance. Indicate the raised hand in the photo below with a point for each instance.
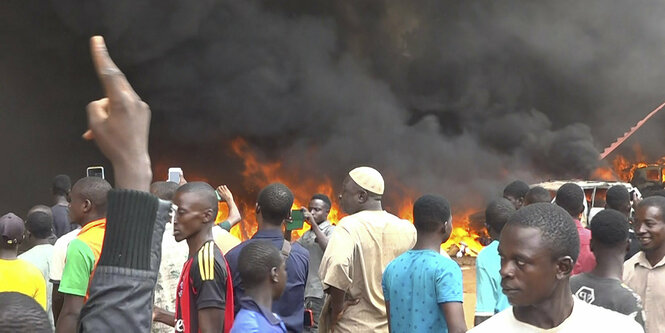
(119, 123)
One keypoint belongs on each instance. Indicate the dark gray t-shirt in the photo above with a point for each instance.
(608, 293)
(61, 223)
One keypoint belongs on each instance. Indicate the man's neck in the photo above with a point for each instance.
(322, 222)
(91, 218)
(196, 241)
(550, 313)
(654, 256)
(609, 266)
(265, 226)
(8, 254)
(428, 241)
(262, 295)
(61, 200)
(39, 241)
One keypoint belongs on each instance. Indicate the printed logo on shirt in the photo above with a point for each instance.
(179, 326)
(586, 294)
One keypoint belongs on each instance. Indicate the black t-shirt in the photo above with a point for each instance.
(608, 293)
(61, 223)
(207, 286)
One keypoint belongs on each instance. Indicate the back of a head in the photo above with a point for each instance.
(498, 212)
(322, 197)
(275, 201)
(570, 197)
(557, 227)
(20, 313)
(537, 194)
(618, 198)
(516, 189)
(256, 260)
(62, 184)
(163, 190)
(40, 224)
(94, 189)
(430, 212)
(204, 191)
(610, 228)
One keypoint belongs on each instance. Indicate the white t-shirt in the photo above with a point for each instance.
(59, 254)
(584, 318)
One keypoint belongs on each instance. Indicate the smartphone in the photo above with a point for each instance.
(308, 319)
(297, 220)
(174, 175)
(95, 171)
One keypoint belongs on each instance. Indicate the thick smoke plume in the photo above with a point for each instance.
(450, 97)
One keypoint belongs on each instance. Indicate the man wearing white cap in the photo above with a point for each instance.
(359, 250)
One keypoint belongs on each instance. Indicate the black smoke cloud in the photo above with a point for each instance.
(451, 97)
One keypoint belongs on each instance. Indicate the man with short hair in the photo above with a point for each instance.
(645, 271)
(618, 198)
(360, 248)
(537, 194)
(515, 193)
(21, 314)
(602, 286)
(62, 185)
(273, 209)
(538, 248)
(315, 240)
(17, 274)
(490, 299)
(39, 226)
(263, 272)
(204, 296)
(422, 288)
(570, 197)
(87, 209)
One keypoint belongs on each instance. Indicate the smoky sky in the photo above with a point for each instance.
(450, 97)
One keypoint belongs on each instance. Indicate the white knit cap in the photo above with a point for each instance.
(368, 178)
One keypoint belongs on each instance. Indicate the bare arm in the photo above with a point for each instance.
(227, 196)
(477, 320)
(321, 238)
(163, 316)
(336, 305)
(211, 320)
(69, 314)
(57, 299)
(454, 314)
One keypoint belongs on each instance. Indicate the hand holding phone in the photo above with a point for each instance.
(174, 175)
(95, 171)
(297, 220)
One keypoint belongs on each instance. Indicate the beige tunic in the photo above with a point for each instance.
(359, 250)
(648, 282)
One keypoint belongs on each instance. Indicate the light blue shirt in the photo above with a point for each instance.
(489, 295)
(415, 283)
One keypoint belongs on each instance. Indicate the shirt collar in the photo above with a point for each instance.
(268, 234)
(642, 261)
(248, 303)
(324, 224)
(92, 224)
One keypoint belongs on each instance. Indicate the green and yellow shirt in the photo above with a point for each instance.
(82, 256)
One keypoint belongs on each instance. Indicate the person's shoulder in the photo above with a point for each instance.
(299, 250)
(607, 319)
(500, 322)
(203, 262)
(29, 269)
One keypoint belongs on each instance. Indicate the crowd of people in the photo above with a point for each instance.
(154, 256)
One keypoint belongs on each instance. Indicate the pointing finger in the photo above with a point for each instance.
(112, 79)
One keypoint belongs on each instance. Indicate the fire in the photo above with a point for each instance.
(257, 174)
(623, 169)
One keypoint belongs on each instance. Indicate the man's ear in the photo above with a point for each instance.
(208, 216)
(564, 267)
(274, 276)
(87, 206)
(363, 196)
(627, 245)
(257, 209)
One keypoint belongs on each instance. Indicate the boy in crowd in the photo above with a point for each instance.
(602, 286)
(16, 274)
(204, 297)
(422, 288)
(273, 209)
(571, 198)
(263, 273)
(315, 240)
(618, 198)
(515, 192)
(87, 209)
(489, 296)
(39, 225)
(645, 271)
(538, 248)
(537, 194)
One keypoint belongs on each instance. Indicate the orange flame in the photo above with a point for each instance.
(257, 174)
(623, 169)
